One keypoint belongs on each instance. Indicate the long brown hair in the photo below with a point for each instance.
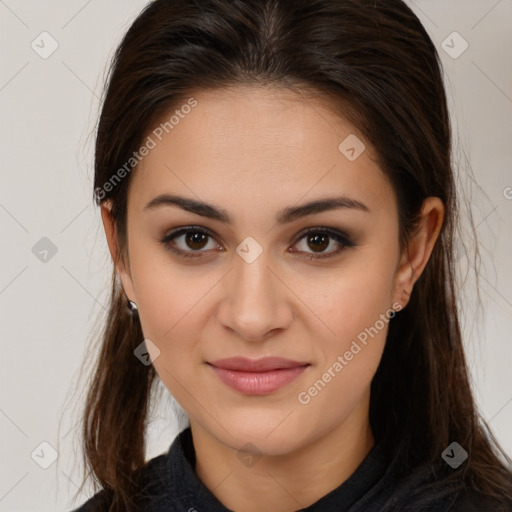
(375, 63)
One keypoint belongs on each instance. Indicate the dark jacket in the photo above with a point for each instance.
(171, 485)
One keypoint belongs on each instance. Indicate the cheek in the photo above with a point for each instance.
(172, 317)
(359, 315)
(357, 309)
(169, 299)
(352, 299)
(170, 308)
(166, 292)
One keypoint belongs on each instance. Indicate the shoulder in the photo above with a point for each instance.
(150, 478)
(425, 488)
(470, 500)
(98, 503)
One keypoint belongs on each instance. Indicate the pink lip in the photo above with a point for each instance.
(257, 377)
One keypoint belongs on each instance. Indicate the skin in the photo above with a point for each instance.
(253, 151)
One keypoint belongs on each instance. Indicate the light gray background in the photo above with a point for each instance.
(48, 110)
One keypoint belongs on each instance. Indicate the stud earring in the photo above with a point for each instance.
(132, 307)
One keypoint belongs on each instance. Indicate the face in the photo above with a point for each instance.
(316, 290)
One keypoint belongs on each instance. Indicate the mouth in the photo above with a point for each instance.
(257, 376)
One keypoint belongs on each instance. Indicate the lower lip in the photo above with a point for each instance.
(258, 383)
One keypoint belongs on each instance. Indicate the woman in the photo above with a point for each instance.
(276, 190)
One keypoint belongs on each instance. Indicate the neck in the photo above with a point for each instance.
(283, 483)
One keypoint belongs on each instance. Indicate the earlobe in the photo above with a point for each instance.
(115, 253)
(419, 248)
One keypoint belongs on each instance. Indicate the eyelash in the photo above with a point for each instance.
(338, 236)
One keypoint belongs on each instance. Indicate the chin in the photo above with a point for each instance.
(269, 435)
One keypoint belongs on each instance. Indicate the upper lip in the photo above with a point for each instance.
(264, 364)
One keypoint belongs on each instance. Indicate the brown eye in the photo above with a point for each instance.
(317, 240)
(196, 240)
(193, 243)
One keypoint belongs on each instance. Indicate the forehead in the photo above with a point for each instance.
(251, 144)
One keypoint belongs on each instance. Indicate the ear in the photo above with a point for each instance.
(419, 248)
(122, 270)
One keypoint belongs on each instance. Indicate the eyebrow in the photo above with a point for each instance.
(287, 215)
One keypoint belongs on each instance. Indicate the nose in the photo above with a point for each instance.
(255, 302)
